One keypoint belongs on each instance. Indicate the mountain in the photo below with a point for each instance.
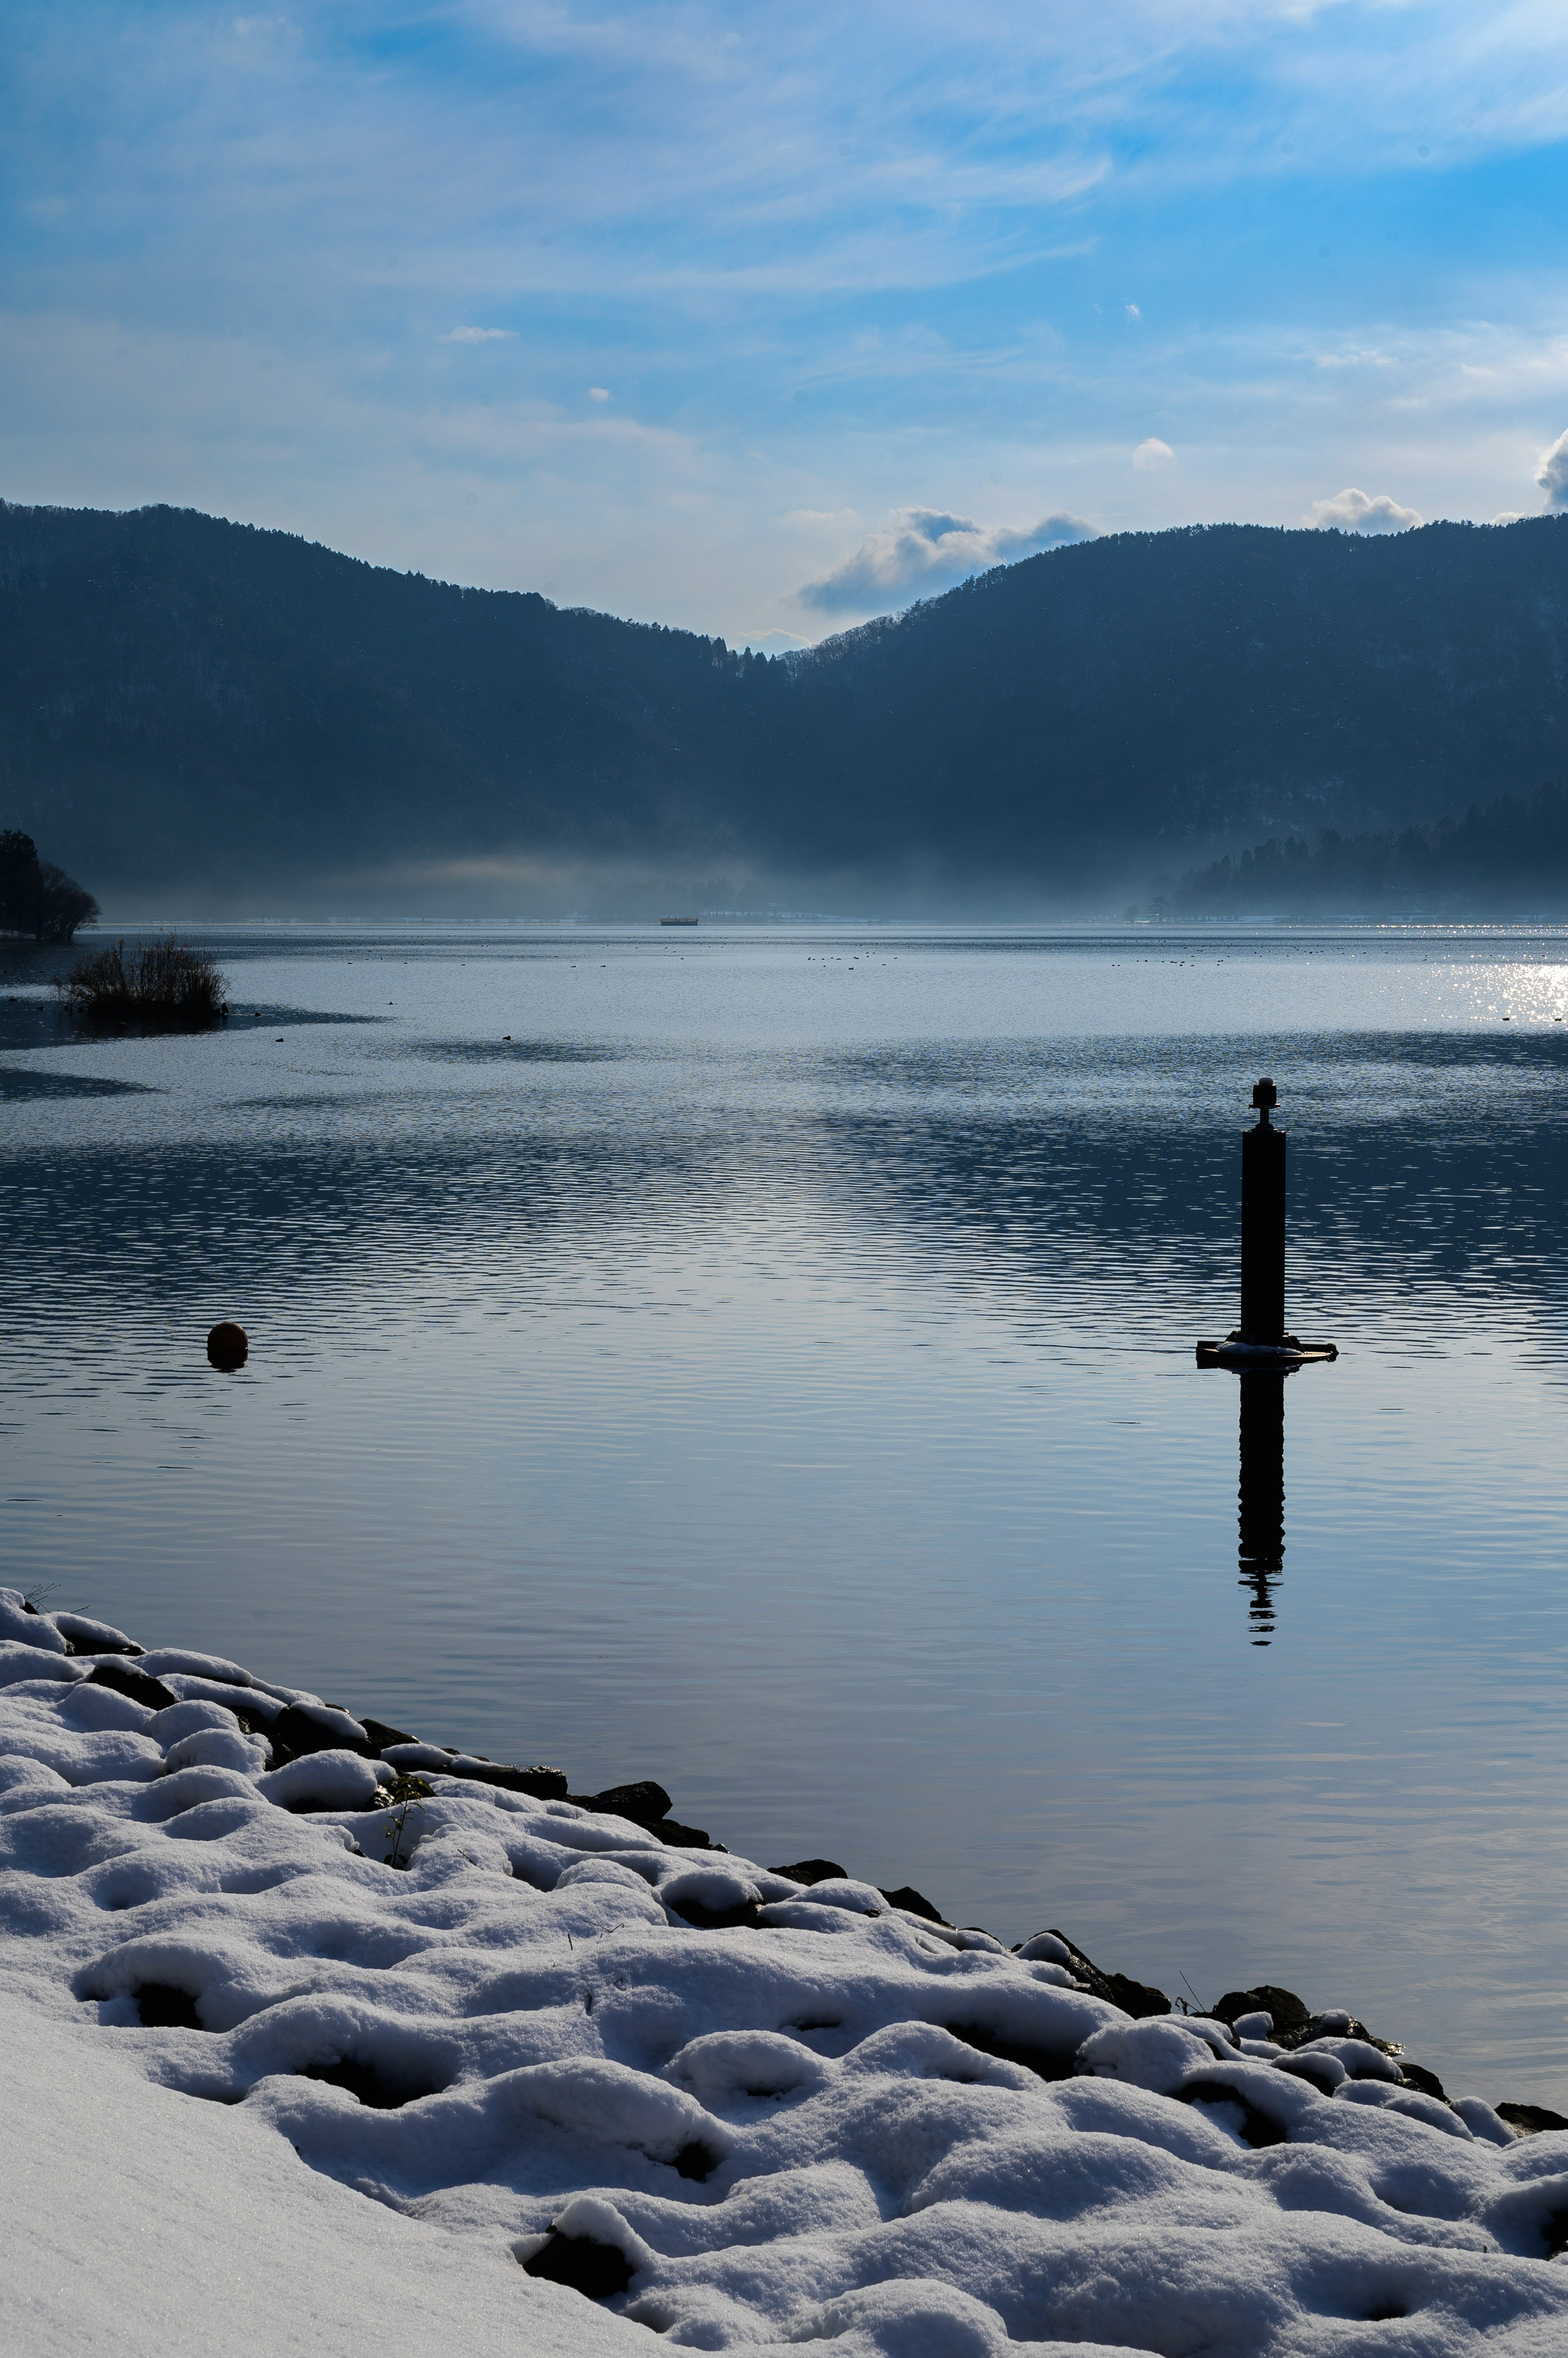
(239, 719)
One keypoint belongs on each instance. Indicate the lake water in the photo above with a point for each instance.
(771, 1369)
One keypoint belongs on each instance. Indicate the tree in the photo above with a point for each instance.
(36, 897)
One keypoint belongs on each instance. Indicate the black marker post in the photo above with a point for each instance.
(1262, 1353)
(1260, 1340)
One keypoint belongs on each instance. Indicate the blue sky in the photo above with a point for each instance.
(760, 320)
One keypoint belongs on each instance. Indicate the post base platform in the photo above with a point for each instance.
(1290, 1351)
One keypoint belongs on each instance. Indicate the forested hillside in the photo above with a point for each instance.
(235, 713)
(1499, 858)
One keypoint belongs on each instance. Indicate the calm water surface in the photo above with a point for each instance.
(771, 1369)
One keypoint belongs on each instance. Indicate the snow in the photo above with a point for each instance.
(261, 2086)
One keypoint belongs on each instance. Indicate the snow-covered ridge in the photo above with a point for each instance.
(738, 2109)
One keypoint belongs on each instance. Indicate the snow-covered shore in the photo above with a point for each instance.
(558, 2080)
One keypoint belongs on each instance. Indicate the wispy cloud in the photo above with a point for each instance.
(1352, 510)
(927, 551)
(819, 254)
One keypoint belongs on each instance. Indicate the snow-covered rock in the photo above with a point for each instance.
(512, 2043)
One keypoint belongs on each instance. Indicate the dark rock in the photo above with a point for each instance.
(717, 1920)
(1320, 2072)
(370, 2085)
(256, 1711)
(543, 1784)
(381, 1735)
(1418, 2076)
(813, 1870)
(1048, 2062)
(1287, 2008)
(151, 1694)
(439, 1759)
(597, 2269)
(164, 2008)
(1258, 2129)
(1529, 2120)
(85, 1637)
(696, 2161)
(1139, 1999)
(913, 1903)
(306, 1728)
(645, 1803)
(1337, 2024)
(670, 1830)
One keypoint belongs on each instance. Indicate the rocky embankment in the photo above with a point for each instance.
(746, 2107)
(1266, 2014)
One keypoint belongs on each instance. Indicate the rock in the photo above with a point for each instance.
(1049, 1947)
(227, 1346)
(306, 1728)
(151, 1694)
(381, 1734)
(597, 2269)
(543, 1784)
(711, 1898)
(1139, 1999)
(85, 1637)
(1289, 2011)
(679, 1837)
(1322, 2072)
(1417, 2076)
(813, 1870)
(645, 1803)
(913, 1902)
(1335, 2024)
(435, 1759)
(1529, 2120)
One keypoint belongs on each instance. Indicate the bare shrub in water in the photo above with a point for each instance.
(165, 983)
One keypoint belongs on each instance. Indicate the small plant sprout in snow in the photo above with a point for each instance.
(407, 1793)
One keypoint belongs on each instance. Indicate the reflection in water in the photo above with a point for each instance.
(1261, 1519)
(791, 1396)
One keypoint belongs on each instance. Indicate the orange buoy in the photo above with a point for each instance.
(228, 1345)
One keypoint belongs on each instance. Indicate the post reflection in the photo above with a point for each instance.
(1260, 1516)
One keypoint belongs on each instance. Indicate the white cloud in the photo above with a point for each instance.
(1133, 312)
(1352, 510)
(1509, 515)
(928, 550)
(1553, 473)
(599, 393)
(477, 335)
(1152, 453)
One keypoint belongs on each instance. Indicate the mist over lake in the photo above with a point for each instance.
(770, 1369)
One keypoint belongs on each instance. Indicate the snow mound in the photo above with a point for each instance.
(653, 2082)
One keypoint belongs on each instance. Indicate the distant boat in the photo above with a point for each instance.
(677, 921)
